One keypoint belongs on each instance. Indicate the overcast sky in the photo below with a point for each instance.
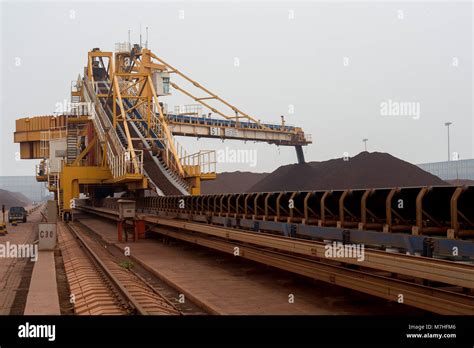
(338, 64)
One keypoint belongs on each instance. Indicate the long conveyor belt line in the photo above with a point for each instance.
(438, 270)
(307, 258)
(410, 243)
(442, 211)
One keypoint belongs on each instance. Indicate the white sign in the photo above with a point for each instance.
(214, 131)
(230, 132)
(47, 236)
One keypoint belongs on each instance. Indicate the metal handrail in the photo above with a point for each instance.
(46, 136)
(122, 165)
(119, 161)
(112, 135)
(202, 162)
(156, 126)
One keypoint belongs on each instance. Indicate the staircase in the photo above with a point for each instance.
(164, 179)
(52, 181)
(102, 120)
(60, 200)
(72, 149)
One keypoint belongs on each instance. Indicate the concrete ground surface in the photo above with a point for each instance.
(15, 272)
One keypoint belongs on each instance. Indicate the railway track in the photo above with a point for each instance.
(101, 285)
(439, 286)
(167, 289)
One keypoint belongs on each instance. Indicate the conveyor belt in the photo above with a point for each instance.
(153, 170)
(441, 211)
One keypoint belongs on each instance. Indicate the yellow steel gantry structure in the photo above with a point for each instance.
(117, 136)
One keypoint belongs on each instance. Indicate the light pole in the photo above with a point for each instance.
(447, 124)
(365, 140)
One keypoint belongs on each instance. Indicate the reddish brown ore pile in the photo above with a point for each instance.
(13, 199)
(231, 182)
(366, 170)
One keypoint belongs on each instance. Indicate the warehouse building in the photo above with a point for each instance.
(451, 170)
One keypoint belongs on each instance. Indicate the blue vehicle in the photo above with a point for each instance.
(17, 214)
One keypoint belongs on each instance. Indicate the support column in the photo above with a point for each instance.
(138, 230)
(299, 154)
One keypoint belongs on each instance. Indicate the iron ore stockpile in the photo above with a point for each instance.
(230, 182)
(366, 170)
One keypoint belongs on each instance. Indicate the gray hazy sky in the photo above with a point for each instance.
(399, 51)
